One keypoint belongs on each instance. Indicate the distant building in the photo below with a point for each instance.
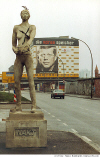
(11, 68)
(24, 70)
(84, 73)
(97, 72)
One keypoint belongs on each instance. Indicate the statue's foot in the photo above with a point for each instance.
(33, 109)
(16, 109)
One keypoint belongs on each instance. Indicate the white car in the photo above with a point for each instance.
(58, 93)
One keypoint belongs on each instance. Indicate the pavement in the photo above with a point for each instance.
(58, 142)
(83, 96)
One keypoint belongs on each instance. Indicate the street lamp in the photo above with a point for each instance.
(91, 62)
(63, 65)
(63, 71)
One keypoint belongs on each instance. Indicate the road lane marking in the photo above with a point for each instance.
(81, 107)
(86, 138)
(74, 131)
(44, 110)
(53, 116)
(86, 109)
(65, 124)
(59, 120)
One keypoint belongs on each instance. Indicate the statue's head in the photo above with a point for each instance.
(25, 15)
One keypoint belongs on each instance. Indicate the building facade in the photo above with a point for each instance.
(55, 57)
(97, 82)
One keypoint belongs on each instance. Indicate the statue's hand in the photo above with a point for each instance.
(15, 49)
(24, 49)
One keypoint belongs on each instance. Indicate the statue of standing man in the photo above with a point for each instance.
(22, 38)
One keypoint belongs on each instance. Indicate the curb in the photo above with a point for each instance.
(89, 142)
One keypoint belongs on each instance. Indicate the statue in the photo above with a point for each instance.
(24, 34)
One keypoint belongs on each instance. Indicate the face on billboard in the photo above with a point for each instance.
(47, 56)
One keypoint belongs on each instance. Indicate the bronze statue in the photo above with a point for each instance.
(22, 38)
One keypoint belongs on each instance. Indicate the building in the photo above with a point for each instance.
(11, 68)
(97, 72)
(55, 57)
(84, 73)
(97, 82)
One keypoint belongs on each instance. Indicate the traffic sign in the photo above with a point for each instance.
(7, 77)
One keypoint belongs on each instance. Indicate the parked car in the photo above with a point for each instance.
(58, 93)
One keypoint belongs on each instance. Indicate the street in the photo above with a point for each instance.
(74, 114)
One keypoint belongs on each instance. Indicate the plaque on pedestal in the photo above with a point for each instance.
(26, 129)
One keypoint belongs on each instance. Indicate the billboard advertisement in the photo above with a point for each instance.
(47, 60)
(55, 55)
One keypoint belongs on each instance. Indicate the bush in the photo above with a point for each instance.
(9, 97)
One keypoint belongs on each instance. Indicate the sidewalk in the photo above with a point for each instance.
(58, 142)
(82, 96)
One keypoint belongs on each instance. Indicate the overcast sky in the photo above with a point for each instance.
(53, 18)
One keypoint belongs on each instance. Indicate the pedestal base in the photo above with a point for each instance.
(26, 129)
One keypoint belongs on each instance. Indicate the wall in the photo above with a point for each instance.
(71, 87)
(97, 87)
(82, 87)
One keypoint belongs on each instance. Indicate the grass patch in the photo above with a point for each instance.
(9, 97)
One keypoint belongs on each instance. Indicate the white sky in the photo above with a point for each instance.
(53, 18)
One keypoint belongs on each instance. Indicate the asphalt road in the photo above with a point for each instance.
(74, 114)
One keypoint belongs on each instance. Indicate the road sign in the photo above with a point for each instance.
(7, 77)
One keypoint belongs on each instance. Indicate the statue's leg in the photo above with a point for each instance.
(29, 69)
(18, 69)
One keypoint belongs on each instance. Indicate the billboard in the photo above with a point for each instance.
(47, 60)
(55, 55)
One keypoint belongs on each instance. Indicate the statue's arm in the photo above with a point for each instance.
(14, 40)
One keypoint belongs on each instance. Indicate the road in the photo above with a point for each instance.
(79, 115)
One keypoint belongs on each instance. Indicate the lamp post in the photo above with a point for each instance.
(63, 66)
(63, 70)
(91, 62)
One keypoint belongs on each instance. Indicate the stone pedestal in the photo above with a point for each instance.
(26, 129)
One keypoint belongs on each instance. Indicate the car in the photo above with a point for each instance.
(58, 93)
